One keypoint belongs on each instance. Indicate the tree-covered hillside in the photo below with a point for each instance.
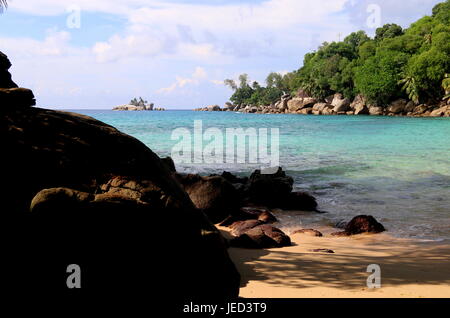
(413, 63)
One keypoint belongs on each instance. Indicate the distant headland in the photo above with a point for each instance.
(398, 72)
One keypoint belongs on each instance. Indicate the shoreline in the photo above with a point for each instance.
(409, 268)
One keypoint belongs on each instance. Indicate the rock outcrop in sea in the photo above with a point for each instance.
(303, 104)
(128, 107)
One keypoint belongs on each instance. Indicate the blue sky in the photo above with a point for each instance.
(174, 53)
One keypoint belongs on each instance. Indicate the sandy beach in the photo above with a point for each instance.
(409, 269)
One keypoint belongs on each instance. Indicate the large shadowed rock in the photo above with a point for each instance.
(5, 76)
(269, 189)
(103, 200)
(215, 196)
(10, 94)
(300, 201)
(19, 97)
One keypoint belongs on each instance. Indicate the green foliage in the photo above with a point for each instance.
(410, 87)
(388, 31)
(377, 79)
(257, 94)
(410, 63)
(138, 102)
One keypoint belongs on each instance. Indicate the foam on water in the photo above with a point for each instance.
(397, 169)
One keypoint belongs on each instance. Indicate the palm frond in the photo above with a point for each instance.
(3, 5)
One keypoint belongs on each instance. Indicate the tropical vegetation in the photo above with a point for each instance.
(412, 63)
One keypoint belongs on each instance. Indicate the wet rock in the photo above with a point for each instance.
(300, 201)
(361, 224)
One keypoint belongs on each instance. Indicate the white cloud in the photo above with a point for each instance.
(196, 77)
(56, 43)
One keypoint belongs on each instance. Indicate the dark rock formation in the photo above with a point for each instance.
(169, 163)
(250, 214)
(5, 76)
(361, 224)
(300, 201)
(10, 94)
(271, 190)
(262, 236)
(215, 196)
(241, 227)
(103, 200)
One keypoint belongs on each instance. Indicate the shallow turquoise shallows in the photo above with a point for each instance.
(396, 169)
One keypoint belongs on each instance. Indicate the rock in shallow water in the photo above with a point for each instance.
(361, 224)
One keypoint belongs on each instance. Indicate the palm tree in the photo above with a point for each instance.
(446, 86)
(410, 87)
(3, 5)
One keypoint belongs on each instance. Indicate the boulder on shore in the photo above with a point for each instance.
(262, 236)
(361, 224)
(340, 103)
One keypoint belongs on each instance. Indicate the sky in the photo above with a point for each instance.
(97, 54)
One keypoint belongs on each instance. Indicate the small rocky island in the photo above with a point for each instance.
(138, 105)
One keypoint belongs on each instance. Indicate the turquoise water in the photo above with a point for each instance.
(397, 169)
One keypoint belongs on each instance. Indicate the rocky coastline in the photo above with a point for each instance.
(119, 208)
(303, 104)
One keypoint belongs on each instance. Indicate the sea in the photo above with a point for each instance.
(394, 168)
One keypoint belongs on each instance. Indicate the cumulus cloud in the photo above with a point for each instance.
(160, 38)
(56, 43)
(196, 77)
